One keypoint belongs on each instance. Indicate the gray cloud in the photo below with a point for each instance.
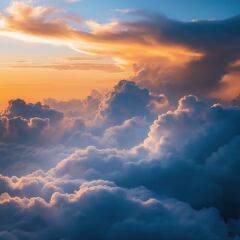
(128, 215)
(134, 175)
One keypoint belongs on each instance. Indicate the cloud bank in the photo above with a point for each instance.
(156, 157)
(141, 169)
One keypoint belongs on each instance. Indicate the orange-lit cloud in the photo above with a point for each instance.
(229, 87)
(73, 66)
(165, 55)
(124, 44)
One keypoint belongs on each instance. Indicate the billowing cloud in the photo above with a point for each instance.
(133, 179)
(129, 100)
(128, 212)
(39, 135)
(131, 163)
(172, 57)
(185, 150)
(29, 123)
(118, 136)
(19, 108)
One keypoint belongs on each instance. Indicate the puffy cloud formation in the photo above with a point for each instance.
(19, 108)
(118, 136)
(128, 164)
(113, 212)
(21, 130)
(29, 123)
(29, 137)
(134, 179)
(129, 100)
(185, 150)
(35, 130)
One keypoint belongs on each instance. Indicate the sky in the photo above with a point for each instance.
(22, 70)
(119, 120)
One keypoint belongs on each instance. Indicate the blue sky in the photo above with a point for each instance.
(177, 9)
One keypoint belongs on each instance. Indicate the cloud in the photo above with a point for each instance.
(14, 129)
(127, 135)
(35, 136)
(128, 100)
(27, 123)
(128, 212)
(172, 57)
(19, 108)
(74, 66)
(127, 164)
(120, 41)
(23, 158)
(144, 169)
(85, 108)
(200, 76)
(236, 101)
(186, 149)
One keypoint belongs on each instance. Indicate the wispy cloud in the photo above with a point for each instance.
(73, 66)
(176, 57)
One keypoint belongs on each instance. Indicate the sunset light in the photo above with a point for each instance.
(120, 120)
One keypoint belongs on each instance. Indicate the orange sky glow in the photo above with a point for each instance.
(48, 56)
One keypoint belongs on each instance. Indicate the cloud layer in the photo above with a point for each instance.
(140, 169)
(156, 157)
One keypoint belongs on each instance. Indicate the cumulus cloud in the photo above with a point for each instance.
(139, 170)
(127, 164)
(28, 123)
(18, 129)
(118, 136)
(29, 136)
(128, 100)
(185, 150)
(37, 134)
(128, 213)
(19, 108)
